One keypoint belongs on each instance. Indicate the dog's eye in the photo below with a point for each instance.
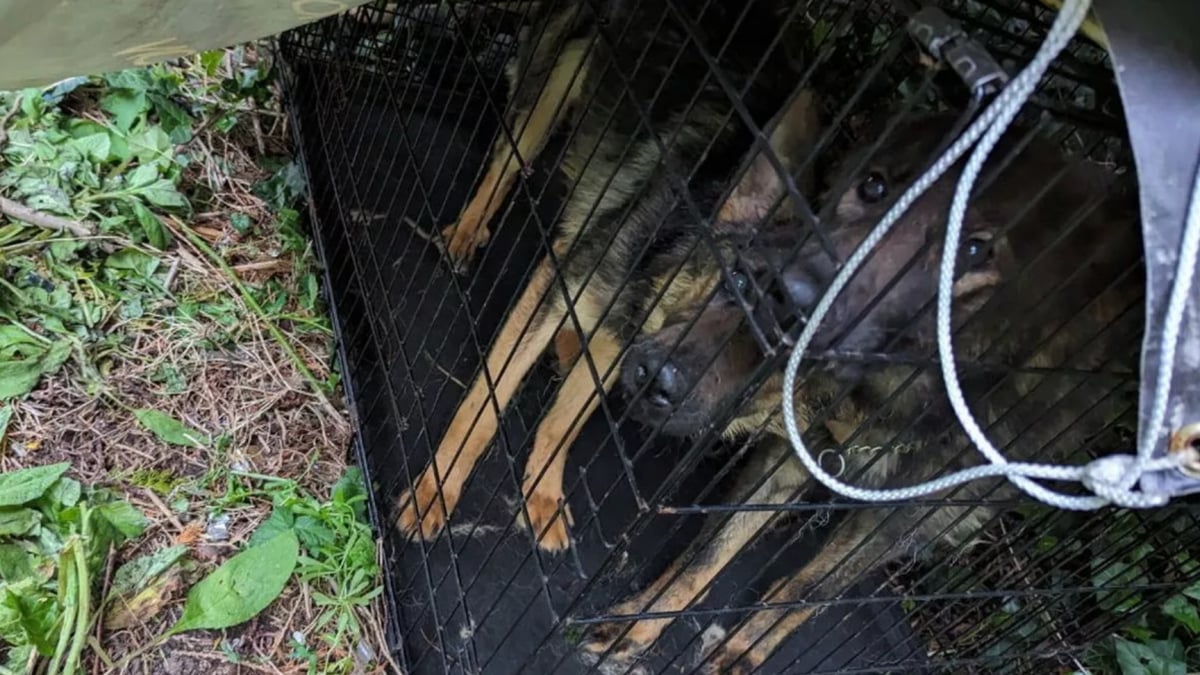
(737, 283)
(873, 188)
(977, 251)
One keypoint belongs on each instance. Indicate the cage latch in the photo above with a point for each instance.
(945, 41)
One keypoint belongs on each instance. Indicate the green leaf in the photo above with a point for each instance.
(241, 223)
(31, 104)
(6, 413)
(1182, 610)
(96, 146)
(19, 659)
(174, 119)
(210, 61)
(65, 492)
(134, 575)
(242, 587)
(133, 79)
(142, 176)
(310, 290)
(36, 613)
(350, 490)
(1119, 573)
(25, 485)
(1157, 657)
(349, 487)
(133, 260)
(18, 378)
(156, 232)
(124, 518)
(281, 520)
(168, 429)
(163, 193)
(151, 145)
(15, 522)
(14, 563)
(284, 188)
(1193, 591)
(314, 535)
(126, 107)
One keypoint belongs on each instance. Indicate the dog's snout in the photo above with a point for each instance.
(661, 380)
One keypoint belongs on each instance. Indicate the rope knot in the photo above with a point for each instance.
(1107, 476)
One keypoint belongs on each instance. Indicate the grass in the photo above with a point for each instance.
(163, 335)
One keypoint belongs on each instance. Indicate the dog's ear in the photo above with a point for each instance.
(761, 185)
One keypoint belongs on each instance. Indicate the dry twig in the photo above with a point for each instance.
(44, 220)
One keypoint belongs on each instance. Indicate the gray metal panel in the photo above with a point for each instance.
(1156, 56)
(44, 41)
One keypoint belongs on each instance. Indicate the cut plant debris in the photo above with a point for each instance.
(55, 540)
(170, 412)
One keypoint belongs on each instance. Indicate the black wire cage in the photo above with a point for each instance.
(660, 117)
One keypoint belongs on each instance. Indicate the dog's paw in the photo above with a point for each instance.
(423, 512)
(734, 657)
(463, 239)
(546, 522)
(612, 640)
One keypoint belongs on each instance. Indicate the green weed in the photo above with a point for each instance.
(55, 538)
(337, 558)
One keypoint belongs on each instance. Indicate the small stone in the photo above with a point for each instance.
(363, 653)
(218, 528)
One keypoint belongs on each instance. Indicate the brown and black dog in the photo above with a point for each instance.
(648, 119)
(1049, 293)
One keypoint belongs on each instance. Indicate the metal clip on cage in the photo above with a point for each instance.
(945, 40)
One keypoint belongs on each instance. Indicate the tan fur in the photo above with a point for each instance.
(687, 582)
(559, 95)
(439, 486)
(573, 405)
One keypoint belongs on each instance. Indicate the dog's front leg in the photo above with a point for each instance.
(525, 334)
(771, 477)
(546, 512)
(854, 548)
(531, 126)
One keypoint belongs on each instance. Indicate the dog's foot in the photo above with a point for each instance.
(619, 644)
(546, 521)
(424, 514)
(734, 657)
(463, 239)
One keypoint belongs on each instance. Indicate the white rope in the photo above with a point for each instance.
(1110, 478)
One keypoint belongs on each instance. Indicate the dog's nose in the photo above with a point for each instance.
(661, 380)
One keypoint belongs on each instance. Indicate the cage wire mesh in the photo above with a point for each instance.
(645, 201)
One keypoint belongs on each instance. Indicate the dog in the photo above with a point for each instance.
(637, 136)
(1049, 277)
